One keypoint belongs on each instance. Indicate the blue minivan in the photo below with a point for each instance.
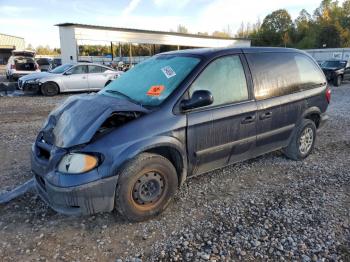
(176, 115)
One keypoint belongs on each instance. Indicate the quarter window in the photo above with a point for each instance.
(225, 79)
(310, 75)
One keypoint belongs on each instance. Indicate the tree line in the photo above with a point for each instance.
(327, 27)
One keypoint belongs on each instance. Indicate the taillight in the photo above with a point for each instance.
(13, 67)
(328, 95)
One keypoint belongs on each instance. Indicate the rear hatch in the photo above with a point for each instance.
(24, 63)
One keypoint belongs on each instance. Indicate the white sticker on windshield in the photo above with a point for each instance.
(168, 72)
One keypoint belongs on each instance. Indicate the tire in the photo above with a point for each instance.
(294, 150)
(338, 80)
(107, 83)
(145, 187)
(7, 76)
(50, 89)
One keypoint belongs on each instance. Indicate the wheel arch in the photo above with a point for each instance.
(168, 147)
(314, 114)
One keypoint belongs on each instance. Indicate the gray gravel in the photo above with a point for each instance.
(268, 208)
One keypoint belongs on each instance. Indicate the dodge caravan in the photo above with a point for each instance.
(176, 115)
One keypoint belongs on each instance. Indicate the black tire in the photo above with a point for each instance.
(107, 83)
(337, 80)
(293, 150)
(130, 189)
(7, 76)
(49, 89)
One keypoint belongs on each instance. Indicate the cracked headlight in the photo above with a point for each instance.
(76, 163)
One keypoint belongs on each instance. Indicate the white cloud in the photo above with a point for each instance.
(9, 10)
(131, 7)
(32, 30)
(178, 4)
(161, 23)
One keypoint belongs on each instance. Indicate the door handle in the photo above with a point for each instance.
(266, 115)
(248, 119)
(84, 77)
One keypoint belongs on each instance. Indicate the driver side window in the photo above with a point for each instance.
(82, 69)
(225, 79)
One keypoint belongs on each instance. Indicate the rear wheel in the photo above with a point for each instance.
(338, 80)
(145, 187)
(50, 89)
(302, 142)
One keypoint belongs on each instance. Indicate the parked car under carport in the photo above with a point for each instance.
(69, 78)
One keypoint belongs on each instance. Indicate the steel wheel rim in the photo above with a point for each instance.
(148, 189)
(306, 140)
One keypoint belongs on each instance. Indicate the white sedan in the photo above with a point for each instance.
(69, 78)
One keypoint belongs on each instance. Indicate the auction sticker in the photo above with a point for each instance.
(155, 90)
(168, 71)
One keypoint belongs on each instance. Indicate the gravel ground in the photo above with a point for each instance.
(268, 208)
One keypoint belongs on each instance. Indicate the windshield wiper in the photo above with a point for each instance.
(125, 96)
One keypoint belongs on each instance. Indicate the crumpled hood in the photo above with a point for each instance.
(76, 121)
(37, 76)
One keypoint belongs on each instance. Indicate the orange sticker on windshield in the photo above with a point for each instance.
(155, 91)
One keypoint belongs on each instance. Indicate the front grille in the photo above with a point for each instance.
(43, 153)
(43, 148)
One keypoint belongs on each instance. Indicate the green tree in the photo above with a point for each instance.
(275, 28)
(329, 37)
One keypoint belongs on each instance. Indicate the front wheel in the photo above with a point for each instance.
(50, 89)
(338, 80)
(145, 187)
(302, 141)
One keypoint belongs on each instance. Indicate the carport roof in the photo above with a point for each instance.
(146, 31)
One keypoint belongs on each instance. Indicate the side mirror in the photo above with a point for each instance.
(199, 98)
(68, 73)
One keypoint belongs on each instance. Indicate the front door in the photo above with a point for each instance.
(224, 132)
(76, 78)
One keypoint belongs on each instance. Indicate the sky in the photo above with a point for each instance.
(35, 19)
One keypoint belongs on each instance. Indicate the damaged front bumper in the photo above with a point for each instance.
(27, 86)
(70, 194)
(86, 199)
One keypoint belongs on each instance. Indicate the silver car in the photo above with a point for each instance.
(69, 78)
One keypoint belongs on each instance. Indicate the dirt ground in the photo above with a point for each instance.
(314, 194)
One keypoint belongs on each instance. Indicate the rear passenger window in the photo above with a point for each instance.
(310, 74)
(274, 74)
(96, 69)
(225, 79)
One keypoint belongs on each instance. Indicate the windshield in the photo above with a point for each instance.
(152, 81)
(334, 64)
(61, 69)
